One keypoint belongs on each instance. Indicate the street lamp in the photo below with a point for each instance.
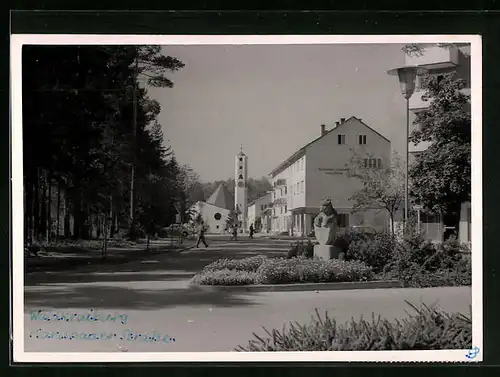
(407, 76)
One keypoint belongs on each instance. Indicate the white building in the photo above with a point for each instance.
(256, 213)
(439, 61)
(215, 210)
(319, 170)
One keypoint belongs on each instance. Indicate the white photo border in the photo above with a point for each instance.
(17, 42)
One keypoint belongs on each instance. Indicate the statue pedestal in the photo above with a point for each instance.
(326, 252)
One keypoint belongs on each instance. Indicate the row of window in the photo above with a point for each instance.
(372, 163)
(280, 210)
(298, 188)
(299, 165)
(341, 139)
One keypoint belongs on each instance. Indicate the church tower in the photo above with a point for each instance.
(241, 188)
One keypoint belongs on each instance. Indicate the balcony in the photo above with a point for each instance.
(420, 147)
(280, 183)
(417, 103)
(435, 58)
(280, 202)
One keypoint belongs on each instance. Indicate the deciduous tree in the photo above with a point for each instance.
(382, 187)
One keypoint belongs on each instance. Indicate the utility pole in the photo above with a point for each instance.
(134, 146)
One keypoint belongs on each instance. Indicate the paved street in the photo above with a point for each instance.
(155, 296)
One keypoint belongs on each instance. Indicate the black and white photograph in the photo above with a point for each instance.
(246, 198)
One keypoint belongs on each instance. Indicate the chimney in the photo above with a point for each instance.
(323, 131)
(342, 120)
(337, 123)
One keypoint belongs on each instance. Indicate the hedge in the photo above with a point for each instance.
(428, 329)
(263, 270)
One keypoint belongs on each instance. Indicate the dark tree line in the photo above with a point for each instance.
(93, 148)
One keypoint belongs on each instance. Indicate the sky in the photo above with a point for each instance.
(273, 100)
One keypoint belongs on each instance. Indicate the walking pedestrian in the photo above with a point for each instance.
(252, 230)
(201, 235)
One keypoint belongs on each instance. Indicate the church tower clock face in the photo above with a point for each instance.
(240, 184)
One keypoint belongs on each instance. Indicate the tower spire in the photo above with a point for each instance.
(241, 147)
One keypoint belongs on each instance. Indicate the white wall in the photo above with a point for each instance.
(327, 163)
(255, 211)
(210, 213)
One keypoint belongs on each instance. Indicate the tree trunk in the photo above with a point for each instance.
(391, 215)
(77, 216)
(49, 206)
(36, 206)
(43, 217)
(58, 215)
(28, 208)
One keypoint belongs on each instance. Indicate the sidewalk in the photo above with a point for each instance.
(115, 255)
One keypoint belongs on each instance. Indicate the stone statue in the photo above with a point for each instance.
(325, 230)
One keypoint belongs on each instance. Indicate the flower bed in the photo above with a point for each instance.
(264, 270)
(428, 329)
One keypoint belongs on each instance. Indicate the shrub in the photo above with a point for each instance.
(428, 329)
(301, 249)
(225, 277)
(262, 270)
(420, 263)
(300, 269)
(376, 250)
(250, 264)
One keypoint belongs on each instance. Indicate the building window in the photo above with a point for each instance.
(217, 216)
(372, 162)
(343, 220)
(241, 159)
(440, 78)
(362, 139)
(302, 187)
(285, 190)
(217, 227)
(341, 139)
(241, 176)
(286, 208)
(241, 167)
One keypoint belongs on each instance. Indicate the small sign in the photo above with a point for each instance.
(334, 171)
(418, 207)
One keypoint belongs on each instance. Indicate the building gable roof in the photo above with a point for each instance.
(221, 197)
(302, 150)
(259, 198)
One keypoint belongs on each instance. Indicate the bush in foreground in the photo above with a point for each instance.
(428, 329)
(262, 270)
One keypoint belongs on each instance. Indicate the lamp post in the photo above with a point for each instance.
(407, 76)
